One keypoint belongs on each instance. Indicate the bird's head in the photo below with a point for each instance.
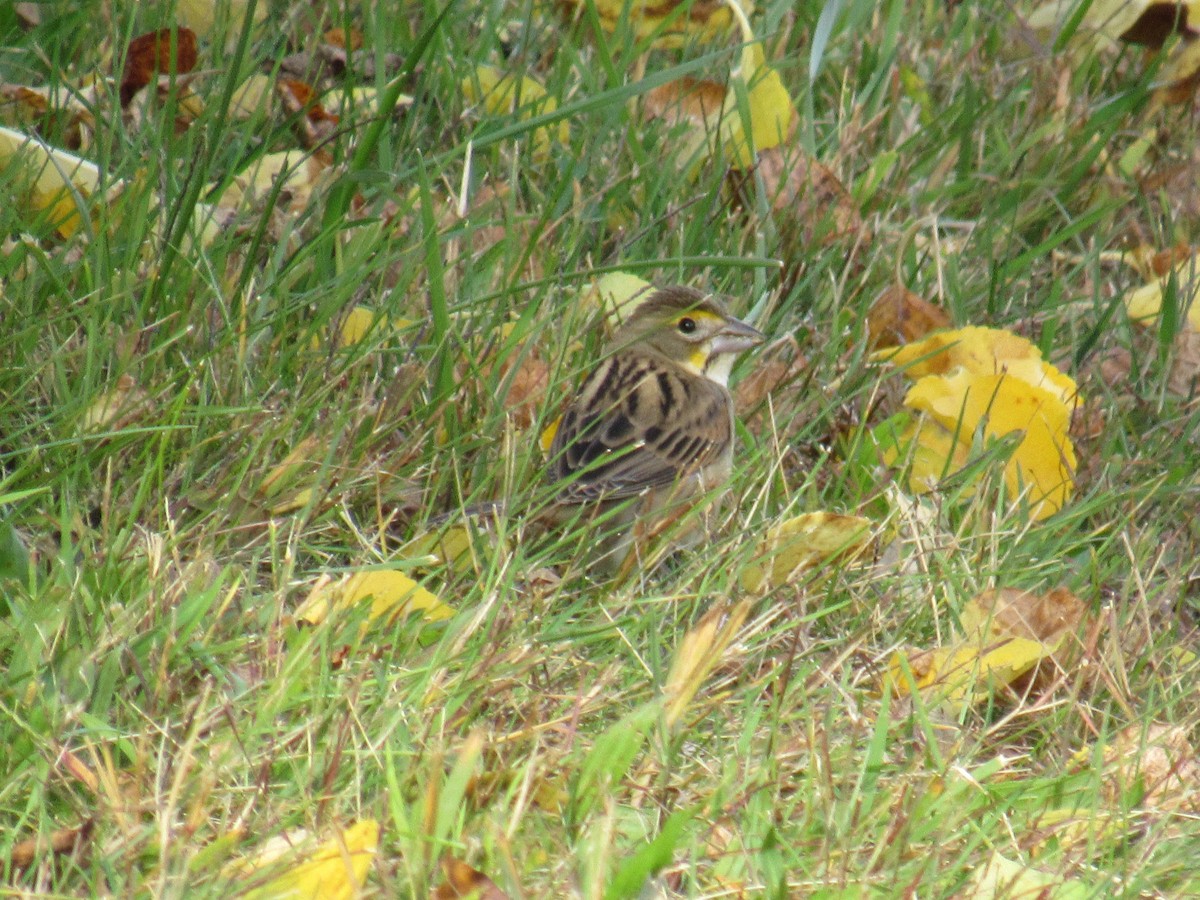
(690, 329)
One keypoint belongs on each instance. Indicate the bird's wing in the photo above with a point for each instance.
(638, 423)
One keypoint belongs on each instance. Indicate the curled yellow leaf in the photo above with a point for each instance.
(391, 592)
(55, 183)
(501, 93)
(960, 407)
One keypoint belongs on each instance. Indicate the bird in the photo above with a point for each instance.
(649, 434)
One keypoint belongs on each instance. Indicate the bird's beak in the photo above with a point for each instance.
(736, 337)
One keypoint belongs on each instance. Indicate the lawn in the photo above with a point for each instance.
(327, 276)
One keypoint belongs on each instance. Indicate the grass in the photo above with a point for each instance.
(155, 686)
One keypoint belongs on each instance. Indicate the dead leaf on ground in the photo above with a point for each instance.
(692, 101)
(348, 39)
(698, 653)
(618, 294)
(1149, 23)
(205, 17)
(1003, 612)
(776, 368)
(1144, 304)
(1184, 377)
(672, 23)
(297, 173)
(53, 183)
(810, 205)
(526, 393)
(326, 62)
(168, 50)
(1151, 263)
(982, 351)
(805, 542)
(1157, 759)
(1146, 22)
(502, 93)
(116, 408)
(462, 881)
(392, 594)
(1008, 635)
(962, 410)
(315, 124)
(898, 316)
(1009, 879)
(334, 870)
(60, 842)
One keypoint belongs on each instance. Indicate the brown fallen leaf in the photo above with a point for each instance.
(1184, 377)
(168, 50)
(28, 14)
(1161, 761)
(671, 23)
(1115, 367)
(1049, 618)
(1012, 612)
(811, 206)
(693, 101)
(1157, 21)
(116, 408)
(527, 391)
(347, 39)
(898, 316)
(777, 367)
(462, 881)
(62, 841)
(316, 126)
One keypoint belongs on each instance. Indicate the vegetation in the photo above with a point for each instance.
(242, 371)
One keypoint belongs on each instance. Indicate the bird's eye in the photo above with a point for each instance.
(687, 325)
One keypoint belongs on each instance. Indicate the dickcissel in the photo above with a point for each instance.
(650, 433)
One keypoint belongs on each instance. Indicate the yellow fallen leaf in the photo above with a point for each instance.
(225, 16)
(1009, 633)
(253, 97)
(619, 293)
(1045, 458)
(960, 407)
(981, 351)
(668, 23)
(1005, 879)
(360, 322)
(361, 101)
(546, 439)
(451, 547)
(56, 183)
(335, 870)
(296, 171)
(392, 594)
(698, 653)
(112, 407)
(502, 94)
(768, 109)
(1144, 304)
(966, 674)
(302, 457)
(803, 542)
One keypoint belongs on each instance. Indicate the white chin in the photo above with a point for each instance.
(718, 370)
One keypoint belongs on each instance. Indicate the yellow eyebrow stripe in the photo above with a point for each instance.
(700, 314)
